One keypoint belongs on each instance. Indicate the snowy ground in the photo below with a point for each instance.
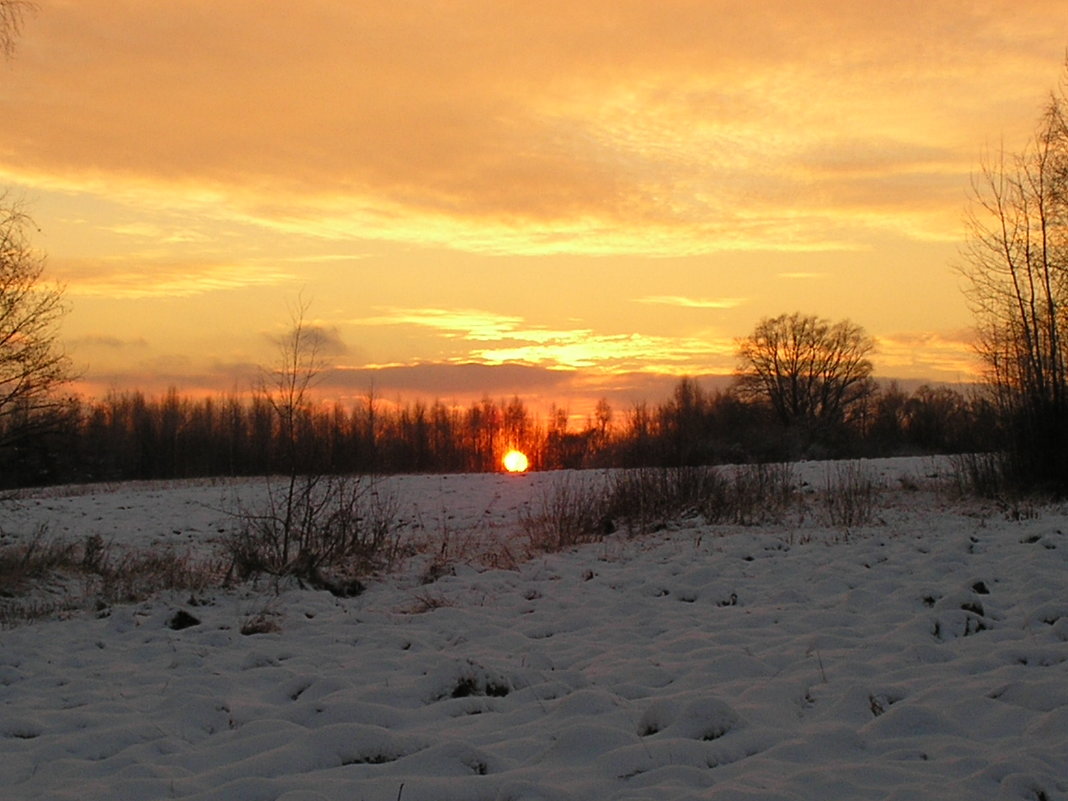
(924, 656)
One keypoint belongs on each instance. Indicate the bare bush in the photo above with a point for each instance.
(849, 495)
(1015, 262)
(647, 499)
(650, 498)
(32, 363)
(981, 474)
(569, 512)
(21, 564)
(813, 374)
(753, 494)
(345, 523)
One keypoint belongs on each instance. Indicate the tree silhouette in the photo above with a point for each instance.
(812, 373)
(1016, 261)
(32, 366)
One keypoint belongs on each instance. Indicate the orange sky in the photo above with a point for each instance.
(556, 199)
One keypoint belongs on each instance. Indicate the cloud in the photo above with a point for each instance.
(498, 339)
(471, 324)
(109, 342)
(325, 339)
(446, 380)
(133, 279)
(540, 388)
(606, 128)
(614, 352)
(693, 303)
(937, 355)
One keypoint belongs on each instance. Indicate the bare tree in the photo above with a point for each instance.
(312, 521)
(1016, 262)
(287, 387)
(32, 365)
(287, 390)
(811, 372)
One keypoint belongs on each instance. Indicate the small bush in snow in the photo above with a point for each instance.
(649, 498)
(981, 474)
(22, 563)
(849, 495)
(753, 494)
(315, 523)
(569, 512)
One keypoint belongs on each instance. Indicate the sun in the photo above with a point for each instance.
(515, 462)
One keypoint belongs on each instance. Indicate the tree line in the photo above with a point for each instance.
(128, 435)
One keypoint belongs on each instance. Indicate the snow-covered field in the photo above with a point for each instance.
(924, 656)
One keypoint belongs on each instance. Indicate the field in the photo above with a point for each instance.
(918, 654)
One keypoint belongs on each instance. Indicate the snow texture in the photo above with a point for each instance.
(923, 656)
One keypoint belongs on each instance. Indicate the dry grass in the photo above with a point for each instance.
(574, 511)
(571, 511)
(46, 576)
(754, 494)
(849, 495)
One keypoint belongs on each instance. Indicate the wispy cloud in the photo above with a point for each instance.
(148, 278)
(693, 303)
(108, 342)
(471, 324)
(616, 353)
(513, 340)
(938, 355)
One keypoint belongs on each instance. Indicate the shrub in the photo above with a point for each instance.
(23, 563)
(649, 498)
(753, 494)
(981, 474)
(314, 523)
(568, 512)
(849, 495)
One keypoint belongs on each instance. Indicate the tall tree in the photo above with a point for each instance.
(1016, 262)
(811, 372)
(32, 365)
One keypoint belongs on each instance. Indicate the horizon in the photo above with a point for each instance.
(562, 203)
(541, 408)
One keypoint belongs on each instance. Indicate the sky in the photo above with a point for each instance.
(556, 200)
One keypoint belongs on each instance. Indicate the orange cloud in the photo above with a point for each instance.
(149, 278)
(693, 303)
(936, 355)
(602, 127)
(515, 341)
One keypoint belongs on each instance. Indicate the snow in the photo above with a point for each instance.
(922, 656)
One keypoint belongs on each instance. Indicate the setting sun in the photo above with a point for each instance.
(516, 462)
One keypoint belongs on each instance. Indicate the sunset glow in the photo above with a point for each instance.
(555, 200)
(515, 462)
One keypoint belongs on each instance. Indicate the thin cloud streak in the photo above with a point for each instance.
(154, 278)
(517, 342)
(693, 303)
(940, 355)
